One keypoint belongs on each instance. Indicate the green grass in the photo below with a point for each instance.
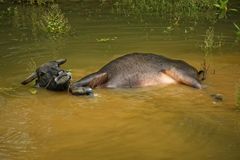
(34, 2)
(222, 6)
(178, 14)
(178, 8)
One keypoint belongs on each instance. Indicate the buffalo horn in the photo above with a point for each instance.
(29, 78)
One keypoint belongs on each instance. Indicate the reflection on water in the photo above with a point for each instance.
(174, 122)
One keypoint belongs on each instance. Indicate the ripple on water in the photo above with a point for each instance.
(2, 102)
(14, 144)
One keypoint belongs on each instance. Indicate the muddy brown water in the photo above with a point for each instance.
(172, 122)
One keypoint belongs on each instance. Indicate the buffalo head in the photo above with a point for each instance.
(50, 76)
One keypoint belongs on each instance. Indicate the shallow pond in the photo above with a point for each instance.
(173, 122)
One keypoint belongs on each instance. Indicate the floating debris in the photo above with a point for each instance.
(106, 39)
(33, 91)
(217, 98)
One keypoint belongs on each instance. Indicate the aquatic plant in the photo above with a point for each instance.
(237, 30)
(40, 20)
(222, 5)
(205, 68)
(34, 2)
(180, 8)
(210, 42)
(54, 22)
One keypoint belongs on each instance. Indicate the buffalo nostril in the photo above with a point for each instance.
(59, 73)
(63, 77)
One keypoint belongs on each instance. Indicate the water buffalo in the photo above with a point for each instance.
(139, 70)
(50, 76)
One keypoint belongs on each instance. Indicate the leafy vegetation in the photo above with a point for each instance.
(210, 43)
(54, 22)
(237, 30)
(222, 6)
(33, 2)
(39, 20)
(182, 15)
(180, 8)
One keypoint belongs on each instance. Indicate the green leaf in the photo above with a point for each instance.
(217, 5)
(236, 26)
(234, 10)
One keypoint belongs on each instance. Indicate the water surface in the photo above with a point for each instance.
(173, 122)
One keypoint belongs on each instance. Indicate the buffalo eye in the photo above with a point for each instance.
(41, 74)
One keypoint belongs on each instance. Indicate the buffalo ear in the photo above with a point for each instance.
(61, 61)
(29, 78)
(201, 75)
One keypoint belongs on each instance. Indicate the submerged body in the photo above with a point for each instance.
(140, 70)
